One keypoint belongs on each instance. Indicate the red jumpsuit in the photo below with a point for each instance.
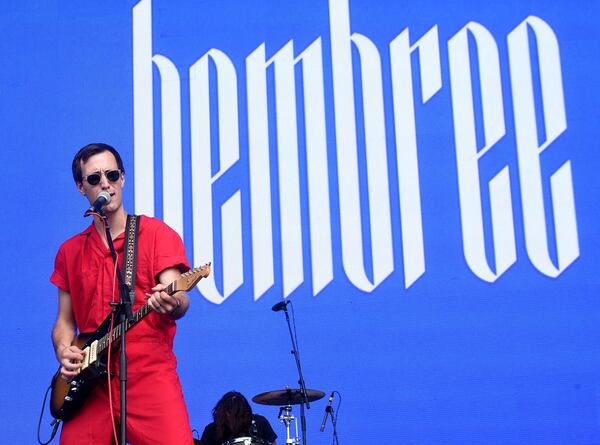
(156, 412)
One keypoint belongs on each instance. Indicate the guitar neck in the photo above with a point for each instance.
(122, 327)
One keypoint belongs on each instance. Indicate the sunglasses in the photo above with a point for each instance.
(111, 175)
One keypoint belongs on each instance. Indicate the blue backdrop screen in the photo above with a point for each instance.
(419, 179)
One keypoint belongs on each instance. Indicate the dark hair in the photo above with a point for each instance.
(233, 416)
(87, 152)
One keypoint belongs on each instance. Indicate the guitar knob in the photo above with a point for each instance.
(68, 399)
(74, 383)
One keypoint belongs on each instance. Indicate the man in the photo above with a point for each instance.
(84, 273)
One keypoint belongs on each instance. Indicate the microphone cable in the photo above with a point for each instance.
(334, 419)
(110, 346)
(110, 328)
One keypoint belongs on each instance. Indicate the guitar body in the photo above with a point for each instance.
(67, 397)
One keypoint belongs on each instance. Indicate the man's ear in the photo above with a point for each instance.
(80, 188)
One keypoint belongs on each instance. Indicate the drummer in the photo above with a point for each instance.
(233, 419)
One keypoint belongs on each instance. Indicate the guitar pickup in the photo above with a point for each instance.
(93, 352)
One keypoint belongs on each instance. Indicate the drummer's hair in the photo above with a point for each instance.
(232, 415)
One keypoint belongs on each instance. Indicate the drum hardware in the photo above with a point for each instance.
(285, 415)
(287, 397)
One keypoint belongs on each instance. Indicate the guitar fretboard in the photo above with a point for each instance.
(122, 327)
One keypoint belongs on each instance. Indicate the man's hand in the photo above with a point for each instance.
(162, 302)
(70, 359)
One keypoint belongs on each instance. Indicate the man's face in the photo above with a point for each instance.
(101, 164)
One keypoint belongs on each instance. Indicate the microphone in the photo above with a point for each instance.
(327, 409)
(280, 306)
(102, 199)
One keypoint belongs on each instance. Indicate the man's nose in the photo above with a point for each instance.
(104, 183)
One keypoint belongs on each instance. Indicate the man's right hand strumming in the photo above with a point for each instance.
(70, 359)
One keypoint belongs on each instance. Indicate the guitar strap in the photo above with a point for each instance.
(130, 257)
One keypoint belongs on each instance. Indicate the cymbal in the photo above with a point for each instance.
(289, 396)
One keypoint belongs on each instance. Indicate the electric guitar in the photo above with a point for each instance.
(67, 397)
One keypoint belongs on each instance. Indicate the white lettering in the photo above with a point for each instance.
(529, 150)
(468, 154)
(413, 248)
(358, 208)
(202, 179)
(346, 145)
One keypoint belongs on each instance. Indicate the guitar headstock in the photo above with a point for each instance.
(189, 279)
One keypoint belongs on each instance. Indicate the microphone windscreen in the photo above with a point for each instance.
(104, 194)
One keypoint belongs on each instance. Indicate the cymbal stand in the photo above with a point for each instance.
(287, 419)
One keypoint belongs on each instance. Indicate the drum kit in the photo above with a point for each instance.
(285, 398)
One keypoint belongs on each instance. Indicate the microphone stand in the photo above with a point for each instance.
(123, 308)
(301, 378)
